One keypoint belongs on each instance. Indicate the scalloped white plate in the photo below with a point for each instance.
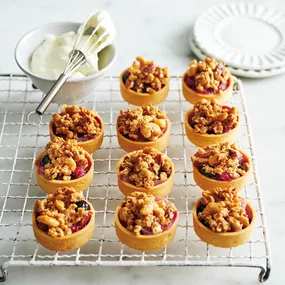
(250, 73)
(244, 35)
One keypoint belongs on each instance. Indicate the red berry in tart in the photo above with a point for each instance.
(145, 222)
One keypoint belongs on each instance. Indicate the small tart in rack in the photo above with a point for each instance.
(78, 123)
(144, 83)
(223, 219)
(144, 222)
(207, 79)
(64, 220)
(143, 127)
(147, 170)
(64, 164)
(210, 123)
(221, 165)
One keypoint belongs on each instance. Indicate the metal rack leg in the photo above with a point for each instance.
(264, 274)
(3, 275)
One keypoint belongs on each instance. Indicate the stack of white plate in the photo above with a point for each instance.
(249, 38)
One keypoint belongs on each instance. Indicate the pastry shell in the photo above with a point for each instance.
(144, 242)
(160, 190)
(79, 184)
(67, 242)
(142, 99)
(160, 144)
(203, 140)
(225, 240)
(222, 96)
(207, 183)
(91, 145)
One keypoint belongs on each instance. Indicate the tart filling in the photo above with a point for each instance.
(77, 123)
(223, 162)
(145, 76)
(209, 117)
(63, 160)
(207, 77)
(222, 210)
(143, 214)
(145, 168)
(62, 213)
(142, 124)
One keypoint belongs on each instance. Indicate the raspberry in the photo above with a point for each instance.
(78, 172)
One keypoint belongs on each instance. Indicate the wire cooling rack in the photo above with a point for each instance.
(20, 144)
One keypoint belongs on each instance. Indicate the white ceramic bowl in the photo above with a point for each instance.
(74, 90)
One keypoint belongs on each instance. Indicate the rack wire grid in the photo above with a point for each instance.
(20, 144)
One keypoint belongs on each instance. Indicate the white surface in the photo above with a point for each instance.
(249, 73)
(236, 32)
(159, 30)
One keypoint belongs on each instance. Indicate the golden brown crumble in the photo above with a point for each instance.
(75, 122)
(62, 160)
(209, 117)
(223, 211)
(144, 123)
(145, 76)
(144, 214)
(62, 213)
(221, 162)
(208, 74)
(145, 168)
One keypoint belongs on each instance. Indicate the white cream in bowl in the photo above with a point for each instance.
(50, 58)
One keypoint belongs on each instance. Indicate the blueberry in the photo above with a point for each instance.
(210, 175)
(126, 76)
(82, 204)
(145, 86)
(45, 160)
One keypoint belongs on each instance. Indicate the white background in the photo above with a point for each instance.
(159, 30)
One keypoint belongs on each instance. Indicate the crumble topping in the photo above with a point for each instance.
(144, 123)
(223, 211)
(209, 75)
(145, 76)
(62, 213)
(63, 160)
(144, 214)
(208, 117)
(145, 168)
(75, 122)
(222, 162)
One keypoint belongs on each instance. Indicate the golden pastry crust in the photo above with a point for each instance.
(203, 140)
(162, 189)
(222, 160)
(66, 242)
(142, 99)
(143, 127)
(221, 96)
(135, 240)
(227, 239)
(74, 120)
(50, 186)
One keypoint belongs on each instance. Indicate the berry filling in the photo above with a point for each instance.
(190, 82)
(144, 214)
(222, 162)
(82, 224)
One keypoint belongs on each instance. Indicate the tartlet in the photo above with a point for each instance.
(143, 127)
(64, 164)
(222, 166)
(144, 222)
(55, 230)
(207, 79)
(147, 170)
(79, 123)
(209, 123)
(223, 219)
(144, 83)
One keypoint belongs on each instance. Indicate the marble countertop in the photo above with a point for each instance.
(159, 30)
